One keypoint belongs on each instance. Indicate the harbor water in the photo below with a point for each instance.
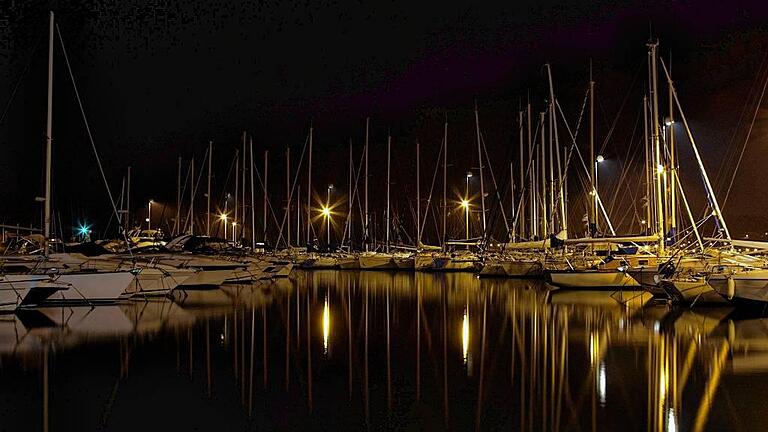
(350, 350)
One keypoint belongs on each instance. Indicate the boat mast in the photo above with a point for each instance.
(445, 179)
(288, 192)
(670, 123)
(513, 207)
(367, 217)
(235, 219)
(49, 138)
(551, 156)
(128, 201)
(191, 195)
(389, 161)
(242, 201)
(521, 215)
(253, 201)
(309, 185)
(542, 176)
(418, 196)
(531, 178)
(480, 161)
(208, 212)
(648, 168)
(266, 201)
(593, 168)
(349, 198)
(178, 200)
(659, 167)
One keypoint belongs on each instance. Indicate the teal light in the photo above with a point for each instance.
(83, 229)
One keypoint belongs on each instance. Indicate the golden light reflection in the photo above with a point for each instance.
(326, 324)
(465, 334)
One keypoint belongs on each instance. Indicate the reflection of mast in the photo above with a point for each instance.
(389, 357)
(309, 357)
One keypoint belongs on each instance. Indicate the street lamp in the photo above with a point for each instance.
(223, 218)
(327, 214)
(149, 215)
(234, 230)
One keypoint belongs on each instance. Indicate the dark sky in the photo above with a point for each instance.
(161, 78)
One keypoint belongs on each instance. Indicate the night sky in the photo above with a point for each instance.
(160, 79)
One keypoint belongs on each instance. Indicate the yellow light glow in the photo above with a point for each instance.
(465, 203)
(234, 223)
(223, 217)
(660, 169)
(326, 325)
(465, 335)
(326, 211)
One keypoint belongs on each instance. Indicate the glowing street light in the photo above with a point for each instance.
(234, 230)
(600, 159)
(223, 218)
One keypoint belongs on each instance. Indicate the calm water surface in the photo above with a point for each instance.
(364, 350)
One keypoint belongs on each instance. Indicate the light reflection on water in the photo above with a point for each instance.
(350, 350)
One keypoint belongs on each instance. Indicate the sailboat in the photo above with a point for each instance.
(82, 286)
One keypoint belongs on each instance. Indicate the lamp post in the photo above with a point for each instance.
(149, 215)
(234, 230)
(223, 218)
(327, 213)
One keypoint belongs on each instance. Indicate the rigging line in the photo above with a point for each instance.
(621, 108)
(90, 135)
(18, 82)
(495, 185)
(432, 187)
(290, 194)
(746, 140)
(191, 212)
(628, 158)
(752, 88)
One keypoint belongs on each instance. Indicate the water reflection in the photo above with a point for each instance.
(357, 350)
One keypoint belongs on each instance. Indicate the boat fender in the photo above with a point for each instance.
(731, 289)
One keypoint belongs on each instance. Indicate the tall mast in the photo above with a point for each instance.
(593, 167)
(288, 192)
(672, 160)
(309, 185)
(178, 200)
(445, 179)
(531, 178)
(49, 137)
(659, 168)
(513, 208)
(242, 201)
(253, 200)
(389, 159)
(266, 201)
(208, 211)
(520, 214)
(191, 195)
(480, 161)
(418, 196)
(367, 217)
(542, 175)
(298, 214)
(553, 138)
(128, 201)
(551, 157)
(235, 219)
(349, 197)
(648, 168)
